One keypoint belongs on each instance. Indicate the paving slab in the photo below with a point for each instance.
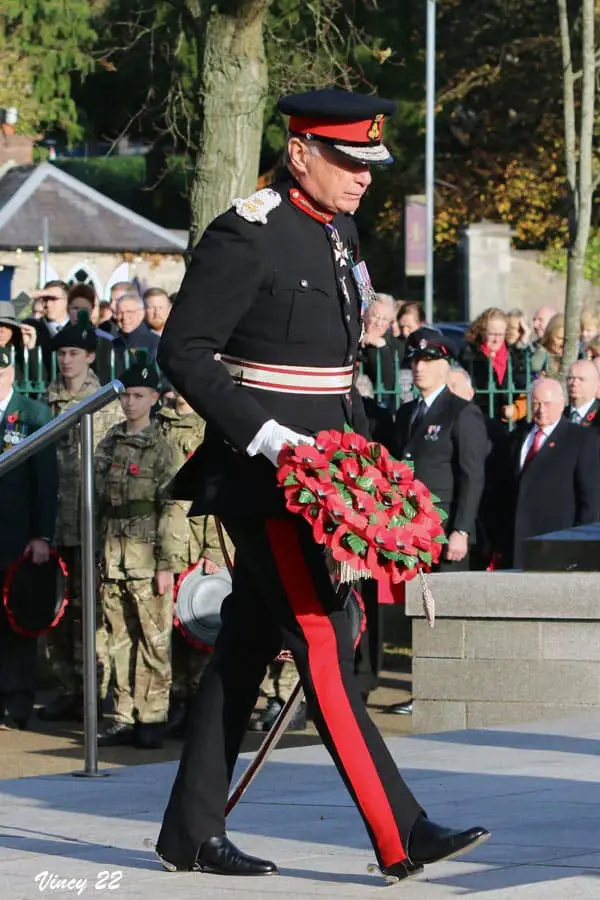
(537, 787)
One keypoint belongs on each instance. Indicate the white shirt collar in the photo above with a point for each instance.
(582, 411)
(429, 400)
(527, 443)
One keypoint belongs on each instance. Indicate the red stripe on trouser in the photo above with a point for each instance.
(330, 692)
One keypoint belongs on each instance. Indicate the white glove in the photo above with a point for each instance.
(271, 437)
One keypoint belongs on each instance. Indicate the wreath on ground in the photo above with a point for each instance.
(374, 517)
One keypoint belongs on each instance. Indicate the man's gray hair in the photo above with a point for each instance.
(388, 300)
(313, 146)
(131, 296)
(456, 367)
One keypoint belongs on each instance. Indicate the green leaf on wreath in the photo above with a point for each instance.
(443, 514)
(346, 497)
(357, 544)
(435, 499)
(426, 557)
(390, 554)
(409, 561)
(290, 480)
(376, 451)
(408, 509)
(306, 496)
(339, 455)
(398, 521)
(348, 429)
(440, 539)
(365, 483)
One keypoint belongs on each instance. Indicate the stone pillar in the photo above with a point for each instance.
(486, 257)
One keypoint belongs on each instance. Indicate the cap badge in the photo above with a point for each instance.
(422, 344)
(257, 206)
(144, 373)
(374, 132)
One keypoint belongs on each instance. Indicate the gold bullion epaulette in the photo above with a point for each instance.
(258, 205)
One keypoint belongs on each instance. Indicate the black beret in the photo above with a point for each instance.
(143, 373)
(351, 123)
(429, 343)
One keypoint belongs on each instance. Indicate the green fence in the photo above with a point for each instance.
(36, 370)
(403, 389)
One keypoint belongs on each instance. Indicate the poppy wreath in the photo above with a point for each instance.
(368, 509)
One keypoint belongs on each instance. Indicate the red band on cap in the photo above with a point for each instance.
(369, 131)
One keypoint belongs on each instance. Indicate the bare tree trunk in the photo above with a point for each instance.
(579, 171)
(233, 89)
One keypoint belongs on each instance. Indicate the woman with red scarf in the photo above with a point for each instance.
(492, 364)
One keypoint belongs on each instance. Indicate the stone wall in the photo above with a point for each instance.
(162, 271)
(507, 647)
(531, 284)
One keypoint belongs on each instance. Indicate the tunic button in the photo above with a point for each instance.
(350, 358)
(303, 283)
(347, 317)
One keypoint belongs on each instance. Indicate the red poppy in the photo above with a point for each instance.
(590, 416)
(133, 469)
(14, 417)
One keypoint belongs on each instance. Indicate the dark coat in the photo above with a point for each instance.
(124, 346)
(268, 293)
(449, 449)
(381, 365)
(28, 494)
(559, 488)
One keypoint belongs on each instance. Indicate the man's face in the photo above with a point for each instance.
(429, 374)
(158, 308)
(582, 383)
(137, 402)
(73, 361)
(130, 315)
(7, 378)
(547, 403)
(337, 184)
(55, 303)
(379, 319)
(408, 323)
(540, 320)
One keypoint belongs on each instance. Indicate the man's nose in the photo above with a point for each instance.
(364, 177)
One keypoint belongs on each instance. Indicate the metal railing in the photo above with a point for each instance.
(49, 434)
(35, 370)
(402, 390)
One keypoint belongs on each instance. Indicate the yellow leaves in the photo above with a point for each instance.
(382, 54)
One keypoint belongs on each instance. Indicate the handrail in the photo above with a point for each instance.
(48, 434)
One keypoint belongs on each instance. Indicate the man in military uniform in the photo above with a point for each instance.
(28, 504)
(197, 541)
(139, 547)
(75, 347)
(262, 342)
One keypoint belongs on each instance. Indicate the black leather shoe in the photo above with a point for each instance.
(14, 723)
(119, 734)
(268, 717)
(401, 709)
(178, 719)
(429, 842)
(149, 735)
(220, 857)
(65, 708)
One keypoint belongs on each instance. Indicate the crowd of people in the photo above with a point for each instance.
(460, 414)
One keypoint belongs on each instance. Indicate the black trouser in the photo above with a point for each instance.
(282, 595)
(17, 667)
(369, 652)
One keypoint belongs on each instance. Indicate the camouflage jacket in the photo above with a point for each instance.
(68, 453)
(139, 530)
(185, 433)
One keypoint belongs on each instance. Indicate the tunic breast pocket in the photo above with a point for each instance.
(312, 312)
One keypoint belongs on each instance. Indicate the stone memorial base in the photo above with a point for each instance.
(507, 647)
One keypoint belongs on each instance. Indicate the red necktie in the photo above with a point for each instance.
(535, 446)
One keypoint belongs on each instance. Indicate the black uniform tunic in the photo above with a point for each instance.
(278, 293)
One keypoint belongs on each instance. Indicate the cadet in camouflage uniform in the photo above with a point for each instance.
(184, 429)
(140, 543)
(75, 352)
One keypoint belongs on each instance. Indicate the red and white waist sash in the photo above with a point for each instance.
(289, 379)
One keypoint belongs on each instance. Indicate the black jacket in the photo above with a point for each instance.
(449, 449)
(28, 494)
(477, 364)
(592, 418)
(269, 293)
(559, 488)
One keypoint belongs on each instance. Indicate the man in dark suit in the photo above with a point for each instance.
(545, 477)
(583, 381)
(444, 435)
(28, 497)
(262, 343)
